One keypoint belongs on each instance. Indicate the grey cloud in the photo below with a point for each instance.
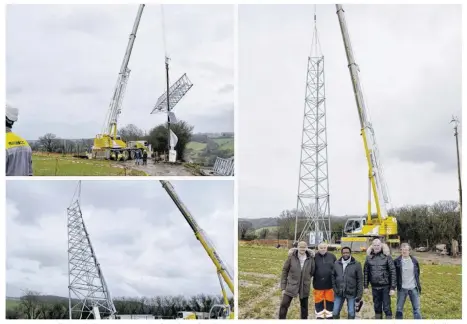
(80, 48)
(218, 121)
(444, 158)
(214, 68)
(41, 255)
(13, 90)
(226, 88)
(80, 90)
(140, 237)
(411, 89)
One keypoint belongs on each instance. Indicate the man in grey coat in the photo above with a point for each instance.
(347, 282)
(296, 277)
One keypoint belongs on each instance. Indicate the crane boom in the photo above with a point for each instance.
(110, 127)
(200, 235)
(378, 184)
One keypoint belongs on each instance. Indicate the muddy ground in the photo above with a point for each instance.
(161, 169)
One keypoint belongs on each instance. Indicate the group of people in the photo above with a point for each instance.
(344, 279)
(141, 158)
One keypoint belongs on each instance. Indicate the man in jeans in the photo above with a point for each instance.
(347, 282)
(296, 279)
(380, 272)
(408, 282)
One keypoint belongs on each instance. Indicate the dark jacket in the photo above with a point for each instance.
(348, 283)
(416, 270)
(294, 280)
(324, 265)
(379, 269)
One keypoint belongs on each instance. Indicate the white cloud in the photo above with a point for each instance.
(143, 244)
(63, 62)
(409, 57)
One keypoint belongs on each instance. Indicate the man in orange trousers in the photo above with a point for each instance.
(322, 282)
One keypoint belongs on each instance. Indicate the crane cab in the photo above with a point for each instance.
(354, 226)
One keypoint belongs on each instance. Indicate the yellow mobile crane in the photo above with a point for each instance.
(222, 272)
(108, 145)
(358, 232)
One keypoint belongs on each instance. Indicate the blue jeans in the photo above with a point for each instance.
(339, 302)
(414, 300)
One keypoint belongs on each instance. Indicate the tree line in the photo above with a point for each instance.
(33, 305)
(438, 223)
(157, 137)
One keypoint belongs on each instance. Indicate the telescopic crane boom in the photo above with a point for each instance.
(107, 144)
(222, 270)
(119, 91)
(383, 226)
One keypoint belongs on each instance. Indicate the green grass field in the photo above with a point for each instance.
(57, 165)
(11, 303)
(225, 143)
(196, 146)
(259, 292)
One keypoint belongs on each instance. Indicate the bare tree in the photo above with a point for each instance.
(131, 133)
(49, 142)
(30, 304)
(243, 228)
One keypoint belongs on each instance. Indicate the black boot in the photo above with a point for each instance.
(336, 316)
(388, 316)
(350, 317)
(378, 316)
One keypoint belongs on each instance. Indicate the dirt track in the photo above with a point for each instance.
(160, 169)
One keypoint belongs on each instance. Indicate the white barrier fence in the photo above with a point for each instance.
(224, 167)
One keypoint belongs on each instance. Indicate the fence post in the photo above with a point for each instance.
(56, 165)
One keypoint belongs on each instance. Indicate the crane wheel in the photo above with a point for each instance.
(132, 154)
(126, 155)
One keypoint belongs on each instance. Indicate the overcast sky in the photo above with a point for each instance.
(143, 243)
(410, 62)
(62, 63)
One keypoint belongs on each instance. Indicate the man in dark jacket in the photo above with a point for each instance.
(380, 272)
(408, 282)
(322, 282)
(347, 282)
(296, 279)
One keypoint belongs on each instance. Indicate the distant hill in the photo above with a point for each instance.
(12, 302)
(48, 298)
(260, 222)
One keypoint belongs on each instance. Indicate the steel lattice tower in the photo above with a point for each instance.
(88, 291)
(313, 185)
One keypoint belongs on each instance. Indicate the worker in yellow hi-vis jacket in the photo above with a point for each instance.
(18, 152)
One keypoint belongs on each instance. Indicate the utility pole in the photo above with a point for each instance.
(455, 120)
(168, 104)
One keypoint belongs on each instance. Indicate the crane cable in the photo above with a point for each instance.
(164, 41)
(315, 43)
